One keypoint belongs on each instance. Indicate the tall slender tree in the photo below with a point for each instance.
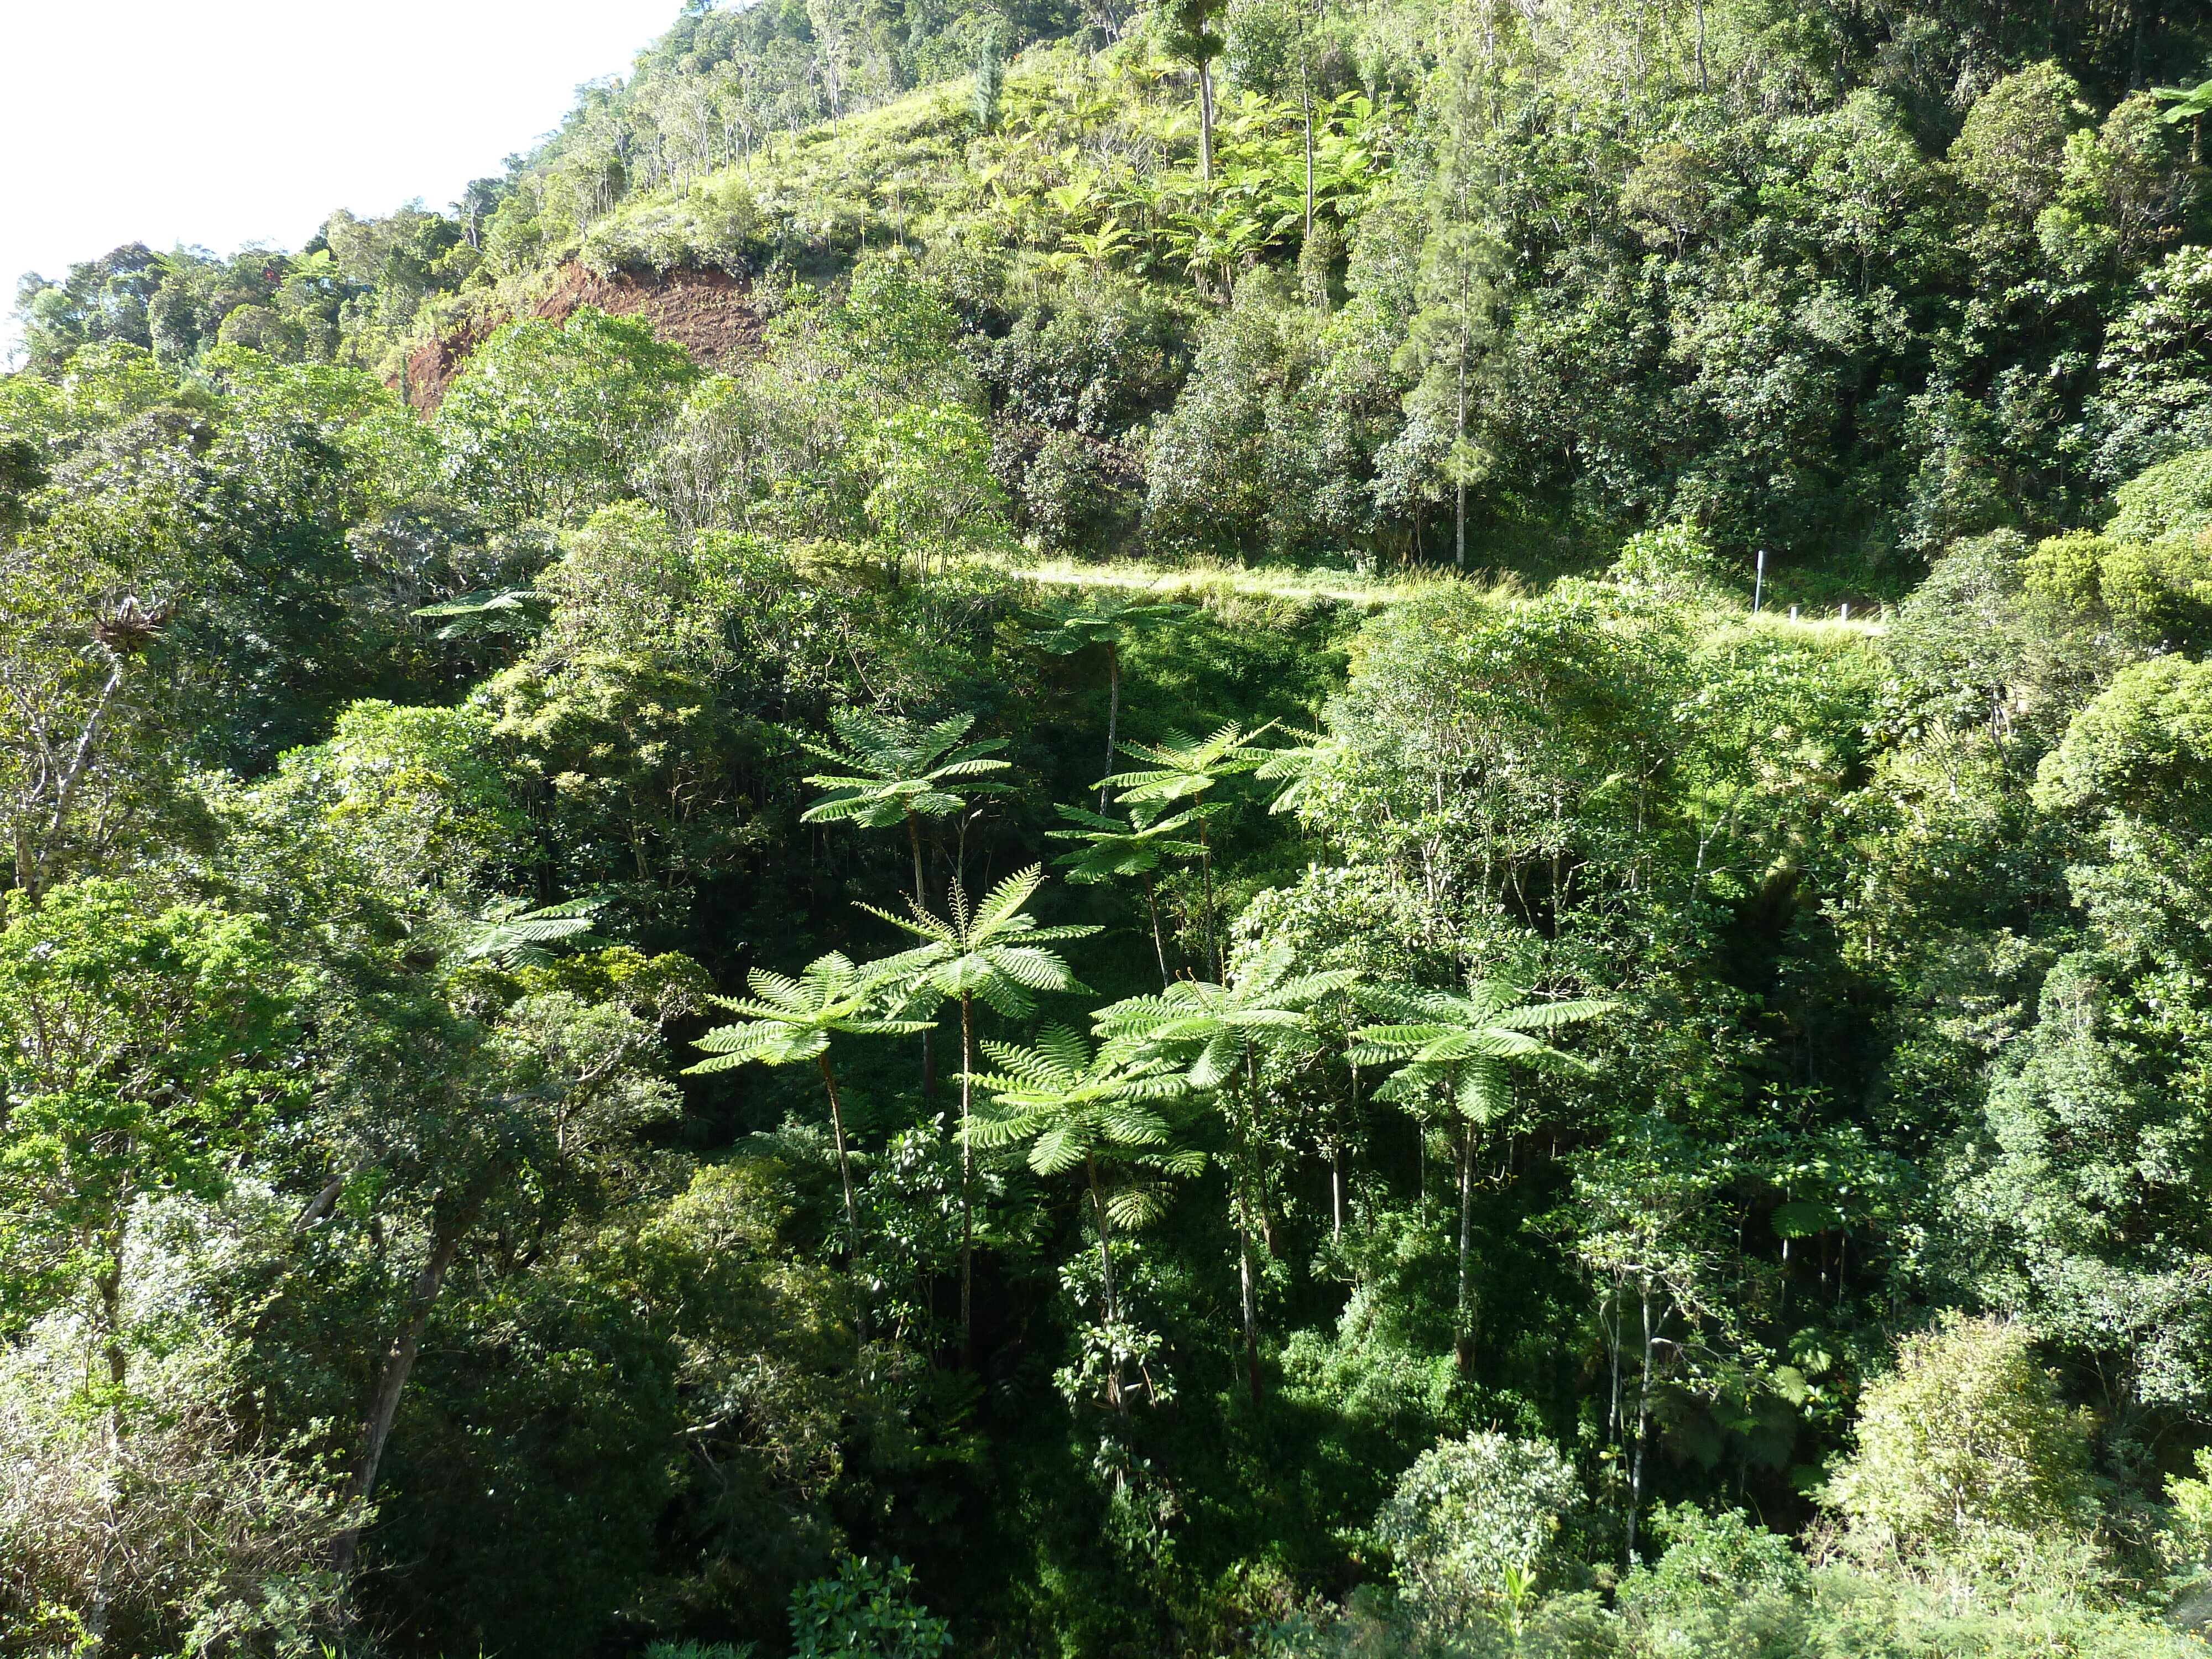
(789, 1019)
(1184, 768)
(1080, 1109)
(1195, 36)
(900, 771)
(1458, 287)
(1113, 848)
(989, 952)
(1277, 47)
(1463, 1046)
(1219, 1034)
(990, 77)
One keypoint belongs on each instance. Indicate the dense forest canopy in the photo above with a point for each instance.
(1298, 828)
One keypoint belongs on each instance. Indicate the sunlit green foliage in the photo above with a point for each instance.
(1576, 1099)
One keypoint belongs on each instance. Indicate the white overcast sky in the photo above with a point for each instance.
(217, 123)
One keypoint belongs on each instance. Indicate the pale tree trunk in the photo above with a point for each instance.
(1613, 1424)
(34, 850)
(1205, 870)
(399, 1365)
(1159, 947)
(844, 1158)
(1206, 120)
(851, 1202)
(914, 837)
(1248, 1292)
(1458, 468)
(1310, 185)
(1336, 1190)
(1466, 1247)
(103, 1583)
(1643, 1423)
(1247, 1277)
(1421, 1166)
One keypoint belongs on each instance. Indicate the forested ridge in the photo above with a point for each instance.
(1301, 828)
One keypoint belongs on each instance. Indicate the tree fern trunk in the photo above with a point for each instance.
(1106, 1279)
(1113, 714)
(851, 1202)
(967, 1184)
(928, 1047)
(1159, 946)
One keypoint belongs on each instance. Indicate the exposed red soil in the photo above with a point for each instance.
(709, 313)
(431, 368)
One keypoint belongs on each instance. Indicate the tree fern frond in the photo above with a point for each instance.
(1138, 1205)
(1550, 1016)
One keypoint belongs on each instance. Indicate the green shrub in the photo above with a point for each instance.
(1725, 1585)
(714, 225)
(1675, 562)
(2175, 495)
(1964, 1445)
(1472, 1524)
(862, 1611)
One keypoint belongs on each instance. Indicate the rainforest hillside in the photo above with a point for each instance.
(1336, 828)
